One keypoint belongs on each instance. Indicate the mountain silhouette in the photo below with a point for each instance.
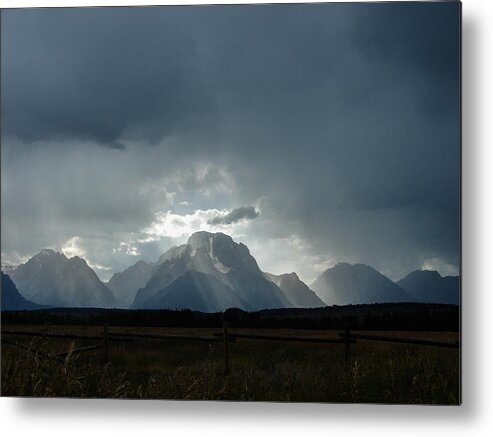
(346, 284)
(12, 300)
(429, 286)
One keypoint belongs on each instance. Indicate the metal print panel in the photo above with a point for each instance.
(248, 202)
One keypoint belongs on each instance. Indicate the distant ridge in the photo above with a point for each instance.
(125, 285)
(296, 290)
(429, 286)
(346, 284)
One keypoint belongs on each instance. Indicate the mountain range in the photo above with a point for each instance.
(210, 273)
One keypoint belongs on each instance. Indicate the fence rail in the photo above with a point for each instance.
(68, 336)
(32, 350)
(346, 338)
(234, 335)
(403, 340)
(164, 336)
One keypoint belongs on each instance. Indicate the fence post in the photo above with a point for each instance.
(226, 348)
(105, 343)
(347, 339)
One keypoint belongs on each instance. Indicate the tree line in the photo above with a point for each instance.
(400, 317)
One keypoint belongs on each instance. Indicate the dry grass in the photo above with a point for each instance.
(260, 370)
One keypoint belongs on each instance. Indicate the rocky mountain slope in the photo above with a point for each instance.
(298, 293)
(50, 278)
(217, 256)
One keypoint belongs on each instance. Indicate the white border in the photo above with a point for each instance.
(79, 418)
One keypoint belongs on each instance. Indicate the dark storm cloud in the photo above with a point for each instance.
(110, 75)
(344, 118)
(241, 213)
(99, 74)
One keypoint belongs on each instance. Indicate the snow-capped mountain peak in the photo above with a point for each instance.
(216, 255)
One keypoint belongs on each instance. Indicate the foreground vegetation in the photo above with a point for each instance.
(259, 370)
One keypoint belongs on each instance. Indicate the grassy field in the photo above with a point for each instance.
(260, 370)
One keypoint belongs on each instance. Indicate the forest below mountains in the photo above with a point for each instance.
(399, 317)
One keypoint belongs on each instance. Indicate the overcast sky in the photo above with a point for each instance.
(314, 134)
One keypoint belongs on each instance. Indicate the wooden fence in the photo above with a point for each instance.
(226, 337)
